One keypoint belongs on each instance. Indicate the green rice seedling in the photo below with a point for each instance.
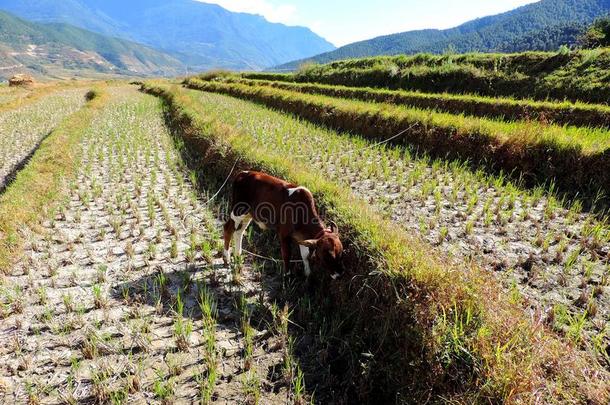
(207, 250)
(443, 234)
(472, 203)
(99, 378)
(120, 396)
(68, 302)
(576, 326)
(251, 387)
(116, 224)
(592, 308)
(183, 329)
(206, 381)
(236, 271)
(101, 273)
(208, 307)
(288, 364)
(42, 295)
(248, 353)
(152, 250)
(46, 315)
(515, 294)
(99, 301)
(174, 249)
(469, 228)
(90, 346)
(599, 346)
(298, 387)
(175, 364)
(488, 219)
(186, 281)
(164, 388)
(32, 392)
(571, 260)
(130, 250)
(179, 307)
(191, 255)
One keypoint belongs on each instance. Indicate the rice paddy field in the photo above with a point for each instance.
(24, 128)
(477, 247)
(9, 94)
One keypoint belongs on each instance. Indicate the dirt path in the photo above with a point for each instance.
(22, 129)
(120, 297)
(555, 261)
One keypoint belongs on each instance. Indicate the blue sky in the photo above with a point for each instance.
(345, 21)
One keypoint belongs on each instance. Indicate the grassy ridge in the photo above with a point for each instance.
(557, 113)
(41, 90)
(581, 75)
(577, 159)
(42, 181)
(431, 328)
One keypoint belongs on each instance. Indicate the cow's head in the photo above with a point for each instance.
(328, 251)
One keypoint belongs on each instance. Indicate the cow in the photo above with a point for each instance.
(288, 209)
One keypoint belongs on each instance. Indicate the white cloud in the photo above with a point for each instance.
(284, 13)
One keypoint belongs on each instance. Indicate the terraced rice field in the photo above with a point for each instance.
(566, 113)
(9, 94)
(463, 284)
(119, 297)
(555, 260)
(24, 128)
(575, 159)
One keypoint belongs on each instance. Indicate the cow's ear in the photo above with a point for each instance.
(310, 243)
(334, 228)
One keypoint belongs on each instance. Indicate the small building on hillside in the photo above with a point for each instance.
(21, 80)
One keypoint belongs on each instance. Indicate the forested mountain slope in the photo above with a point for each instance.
(541, 26)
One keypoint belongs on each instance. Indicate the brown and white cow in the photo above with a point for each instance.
(289, 210)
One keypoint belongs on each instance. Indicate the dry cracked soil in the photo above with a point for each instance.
(120, 296)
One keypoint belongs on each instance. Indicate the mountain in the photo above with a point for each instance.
(544, 26)
(57, 49)
(201, 35)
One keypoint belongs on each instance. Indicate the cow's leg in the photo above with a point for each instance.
(241, 224)
(229, 230)
(305, 256)
(285, 245)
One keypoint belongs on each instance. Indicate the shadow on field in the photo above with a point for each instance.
(320, 354)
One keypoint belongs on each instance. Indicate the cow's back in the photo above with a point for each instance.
(260, 195)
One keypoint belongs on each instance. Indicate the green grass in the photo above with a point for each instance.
(576, 159)
(431, 325)
(40, 184)
(581, 75)
(566, 113)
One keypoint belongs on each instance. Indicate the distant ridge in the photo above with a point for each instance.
(201, 35)
(58, 50)
(542, 26)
